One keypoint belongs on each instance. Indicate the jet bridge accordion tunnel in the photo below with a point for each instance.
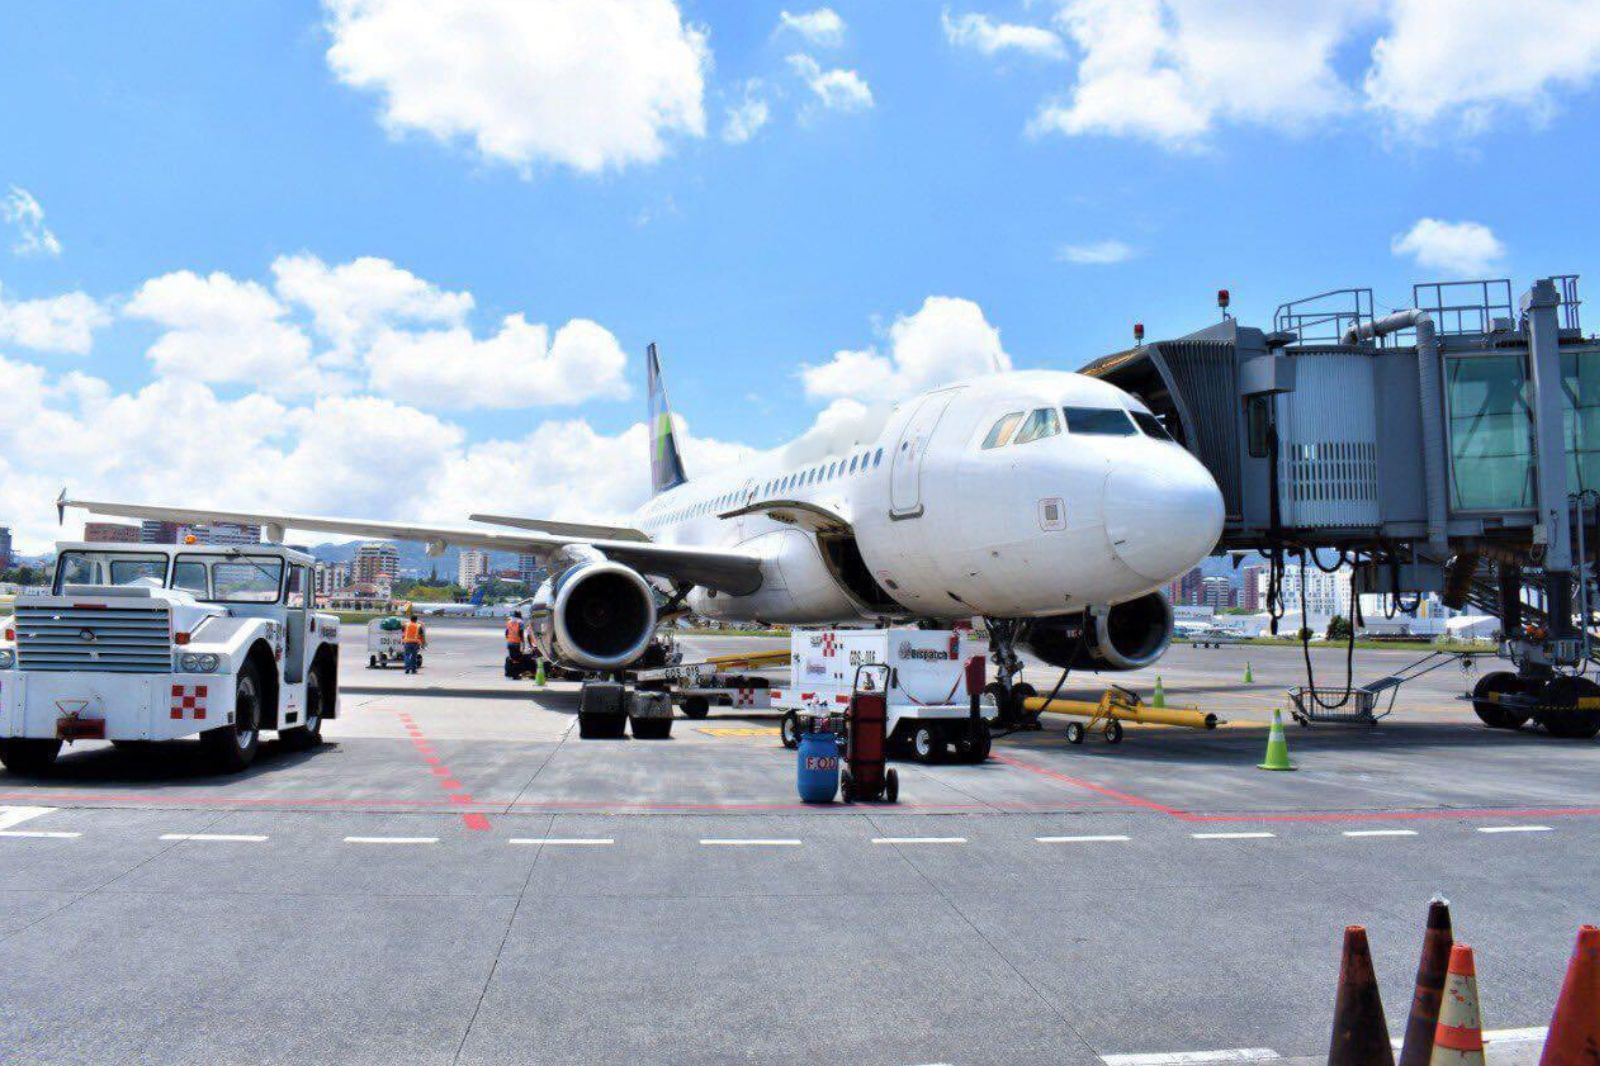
(1453, 447)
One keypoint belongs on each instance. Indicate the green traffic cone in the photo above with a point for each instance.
(1277, 746)
(538, 674)
(1159, 699)
(1249, 675)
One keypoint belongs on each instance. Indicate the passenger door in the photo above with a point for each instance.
(905, 468)
(296, 622)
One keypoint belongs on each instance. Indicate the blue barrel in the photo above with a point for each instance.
(818, 776)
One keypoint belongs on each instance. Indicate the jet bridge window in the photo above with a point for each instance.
(1099, 421)
(1042, 423)
(1491, 433)
(1000, 435)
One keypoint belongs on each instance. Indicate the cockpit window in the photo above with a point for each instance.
(1000, 435)
(1099, 421)
(1042, 423)
(1151, 425)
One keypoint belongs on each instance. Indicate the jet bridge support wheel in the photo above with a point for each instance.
(1559, 711)
(1493, 714)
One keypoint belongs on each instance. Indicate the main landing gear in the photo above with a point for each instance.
(1007, 692)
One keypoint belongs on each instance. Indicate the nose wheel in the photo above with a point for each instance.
(1007, 692)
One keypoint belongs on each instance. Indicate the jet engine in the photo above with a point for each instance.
(598, 615)
(1129, 636)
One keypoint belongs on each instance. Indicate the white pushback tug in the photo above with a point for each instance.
(159, 642)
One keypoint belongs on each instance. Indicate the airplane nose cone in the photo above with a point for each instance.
(1162, 519)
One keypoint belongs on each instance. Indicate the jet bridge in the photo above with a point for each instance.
(1452, 447)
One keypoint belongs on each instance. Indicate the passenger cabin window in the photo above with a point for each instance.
(1151, 425)
(1040, 424)
(877, 460)
(1000, 435)
(1099, 421)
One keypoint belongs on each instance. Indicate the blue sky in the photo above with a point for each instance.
(175, 152)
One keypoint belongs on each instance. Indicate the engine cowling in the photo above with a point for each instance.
(1129, 636)
(596, 616)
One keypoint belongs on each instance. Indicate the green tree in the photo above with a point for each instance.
(1339, 628)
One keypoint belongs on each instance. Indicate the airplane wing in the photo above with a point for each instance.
(563, 529)
(732, 572)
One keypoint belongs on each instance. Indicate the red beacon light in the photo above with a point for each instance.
(1222, 299)
(1138, 333)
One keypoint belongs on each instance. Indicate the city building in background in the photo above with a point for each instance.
(1326, 594)
(110, 533)
(5, 547)
(1251, 588)
(377, 564)
(530, 571)
(331, 578)
(473, 568)
(1216, 593)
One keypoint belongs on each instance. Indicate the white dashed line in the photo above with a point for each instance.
(1230, 836)
(391, 840)
(218, 838)
(1514, 829)
(1080, 840)
(11, 816)
(736, 843)
(1190, 1058)
(1380, 832)
(919, 840)
(562, 841)
(39, 834)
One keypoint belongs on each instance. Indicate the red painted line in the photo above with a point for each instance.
(1121, 797)
(449, 782)
(442, 771)
(475, 821)
(460, 797)
(434, 760)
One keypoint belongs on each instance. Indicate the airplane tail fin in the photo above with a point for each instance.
(477, 595)
(666, 467)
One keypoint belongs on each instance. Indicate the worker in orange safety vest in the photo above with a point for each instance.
(514, 635)
(413, 639)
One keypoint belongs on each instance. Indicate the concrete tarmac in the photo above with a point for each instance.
(454, 877)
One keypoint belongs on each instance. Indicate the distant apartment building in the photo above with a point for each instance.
(473, 567)
(331, 578)
(110, 533)
(220, 533)
(1216, 593)
(1250, 597)
(1186, 591)
(377, 563)
(5, 547)
(1325, 594)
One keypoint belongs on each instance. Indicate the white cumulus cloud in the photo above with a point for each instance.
(821, 27)
(1441, 60)
(519, 366)
(1169, 71)
(21, 209)
(836, 89)
(745, 119)
(351, 303)
(948, 338)
(1096, 253)
(64, 323)
(222, 330)
(980, 32)
(1458, 249)
(595, 85)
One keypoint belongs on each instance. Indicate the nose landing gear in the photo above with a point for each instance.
(1007, 692)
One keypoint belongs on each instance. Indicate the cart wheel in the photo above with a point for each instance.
(980, 744)
(1074, 732)
(789, 730)
(847, 793)
(927, 744)
(1113, 732)
(696, 706)
(372, 662)
(891, 786)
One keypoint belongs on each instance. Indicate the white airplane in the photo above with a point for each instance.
(1052, 504)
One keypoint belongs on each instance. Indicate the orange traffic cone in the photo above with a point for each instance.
(1458, 1040)
(1435, 960)
(1574, 1038)
(1360, 1035)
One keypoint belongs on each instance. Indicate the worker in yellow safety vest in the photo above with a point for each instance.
(514, 635)
(413, 639)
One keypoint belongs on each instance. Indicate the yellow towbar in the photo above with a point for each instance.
(1120, 704)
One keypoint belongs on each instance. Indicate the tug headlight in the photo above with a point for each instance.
(8, 658)
(197, 663)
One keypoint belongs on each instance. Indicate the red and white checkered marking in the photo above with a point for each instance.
(189, 701)
(830, 645)
(744, 697)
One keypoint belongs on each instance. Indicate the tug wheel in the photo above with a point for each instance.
(1493, 714)
(1113, 732)
(1075, 732)
(1562, 718)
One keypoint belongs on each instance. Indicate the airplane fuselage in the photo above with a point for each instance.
(1023, 494)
